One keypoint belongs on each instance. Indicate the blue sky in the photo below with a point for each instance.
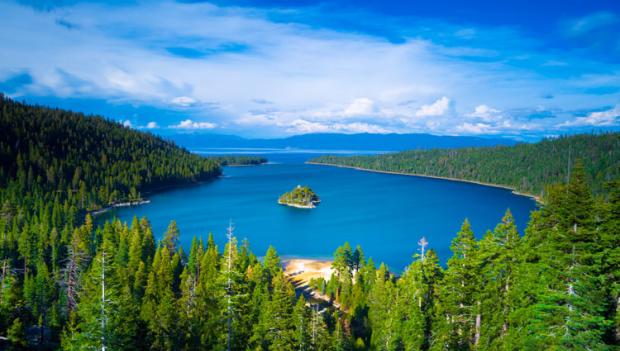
(275, 68)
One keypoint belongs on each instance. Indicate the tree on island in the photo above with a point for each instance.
(301, 196)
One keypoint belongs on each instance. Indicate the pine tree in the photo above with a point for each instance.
(340, 339)
(383, 313)
(171, 237)
(497, 260)
(16, 335)
(608, 260)
(278, 313)
(417, 298)
(301, 325)
(561, 287)
(458, 314)
(210, 295)
(235, 304)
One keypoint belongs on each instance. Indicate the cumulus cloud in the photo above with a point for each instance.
(183, 101)
(485, 113)
(474, 128)
(360, 107)
(263, 75)
(304, 126)
(189, 124)
(437, 108)
(605, 118)
(127, 123)
(488, 120)
(152, 125)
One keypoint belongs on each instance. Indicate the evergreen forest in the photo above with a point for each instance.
(527, 168)
(67, 284)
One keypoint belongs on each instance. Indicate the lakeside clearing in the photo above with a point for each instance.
(534, 197)
(303, 270)
(300, 271)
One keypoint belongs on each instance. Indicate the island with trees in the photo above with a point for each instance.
(300, 197)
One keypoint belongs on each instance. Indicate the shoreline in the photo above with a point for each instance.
(101, 211)
(531, 196)
(164, 188)
(306, 207)
(304, 269)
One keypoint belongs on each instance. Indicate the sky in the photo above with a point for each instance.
(275, 68)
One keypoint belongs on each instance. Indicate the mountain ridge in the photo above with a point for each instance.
(362, 141)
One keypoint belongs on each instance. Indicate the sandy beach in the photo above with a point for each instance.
(302, 270)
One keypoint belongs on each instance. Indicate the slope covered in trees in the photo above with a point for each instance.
(555, 288)
(89, 161)
(65, 284)
(527, 168)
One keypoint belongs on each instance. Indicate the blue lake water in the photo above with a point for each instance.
(386, 214)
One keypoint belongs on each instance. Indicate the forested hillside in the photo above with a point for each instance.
(527, 168)
(88, 161)
(556, 288)
(65, 284)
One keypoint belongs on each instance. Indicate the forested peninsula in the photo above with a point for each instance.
(67, 284)
(526, 168)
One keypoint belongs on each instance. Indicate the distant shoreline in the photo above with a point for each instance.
(161, 189)
(103, 210)
(534, 197)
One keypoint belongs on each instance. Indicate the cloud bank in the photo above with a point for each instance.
(258, 72)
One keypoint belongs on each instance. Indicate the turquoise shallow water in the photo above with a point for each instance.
(386, 214)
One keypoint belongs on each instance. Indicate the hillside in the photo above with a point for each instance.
(527, 168)
(101, 161)
(333, 141)
(65, 284)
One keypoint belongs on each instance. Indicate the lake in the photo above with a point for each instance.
(386, 214)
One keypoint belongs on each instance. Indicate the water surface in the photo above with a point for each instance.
(386, 214)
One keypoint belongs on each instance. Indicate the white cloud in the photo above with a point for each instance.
(152, 125)
(474, 128)
(485, 113)
(609, 117)
(189, 124)
(330, 80)
(304, 126)
(183, 101)
(437, 108)
(360, 107)
(127, 123)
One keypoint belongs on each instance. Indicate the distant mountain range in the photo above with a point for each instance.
(327, 141)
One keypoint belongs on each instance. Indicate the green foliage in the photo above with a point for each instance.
(89, 161)
(528, 168)
(556, 288)
(237, 160)
(301, 196)
(65, 284)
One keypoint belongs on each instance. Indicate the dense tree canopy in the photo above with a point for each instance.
(66, 284)
(555, 288)
(527, 168)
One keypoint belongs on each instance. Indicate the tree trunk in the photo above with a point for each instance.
(478, 322)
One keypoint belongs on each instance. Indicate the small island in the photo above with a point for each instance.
(300, 197)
